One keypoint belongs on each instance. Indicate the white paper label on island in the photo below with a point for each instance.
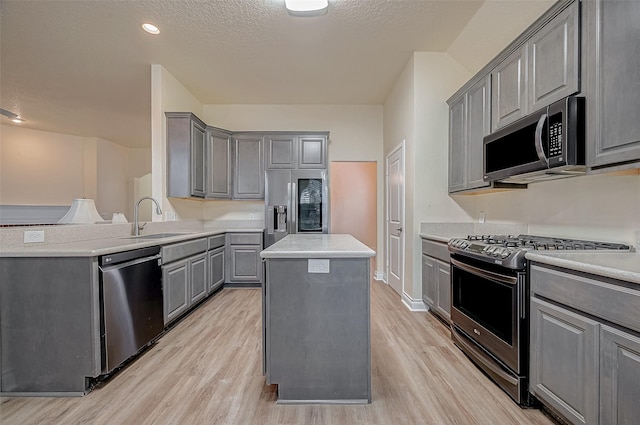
(315, 265)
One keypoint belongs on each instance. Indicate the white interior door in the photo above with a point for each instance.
(395, 218)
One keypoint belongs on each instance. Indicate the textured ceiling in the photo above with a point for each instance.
(83, 67)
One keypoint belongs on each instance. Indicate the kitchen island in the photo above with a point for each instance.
(316, 319)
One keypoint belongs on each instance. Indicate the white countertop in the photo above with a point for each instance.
(103, 246)
(318, 245)
(616, 265)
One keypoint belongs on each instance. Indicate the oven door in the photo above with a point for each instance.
(487, 305)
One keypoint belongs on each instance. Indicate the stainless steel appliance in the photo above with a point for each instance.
(490, 302)
(544, 145)
(296, 201)
(130, 303)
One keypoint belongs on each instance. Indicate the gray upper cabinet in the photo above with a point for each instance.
(219, 155)
(554, 59)
(248, 170)
(186, 146)
(469, 122)
(457, 144)
(509, 93)
(611, 53)
(312, 152)
(280, 151)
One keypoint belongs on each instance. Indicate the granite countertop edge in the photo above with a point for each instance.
(103, 246)
(624, 266)
(439, 238)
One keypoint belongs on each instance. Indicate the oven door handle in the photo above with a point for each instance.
(485, 273)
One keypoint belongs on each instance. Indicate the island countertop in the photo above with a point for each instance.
(318, 245)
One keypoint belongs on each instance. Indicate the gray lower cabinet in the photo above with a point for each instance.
(611, 71)
(175, 278)
(436, 279)
(186, 160)
(244, 264)
(184, 276)
(248, 170)
(620, 377)
(216, 269)
(585, 346)
(219, 160)
(564, 361)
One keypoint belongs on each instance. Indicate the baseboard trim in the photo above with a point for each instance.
(380, 276)
(412, 304)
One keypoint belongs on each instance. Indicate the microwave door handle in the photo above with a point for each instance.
(294, 207)
(538, 140)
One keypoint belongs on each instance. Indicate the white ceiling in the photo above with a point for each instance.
(83, 67)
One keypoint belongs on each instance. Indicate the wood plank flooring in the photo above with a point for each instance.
(208, 370)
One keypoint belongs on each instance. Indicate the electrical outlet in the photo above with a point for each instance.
(483, 216)
(33, 236)
(318, 266)
(250, 216)
(170, 216)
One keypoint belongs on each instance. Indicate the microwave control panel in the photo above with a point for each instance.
(555, 138)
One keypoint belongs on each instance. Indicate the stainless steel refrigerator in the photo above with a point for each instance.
(296, 201)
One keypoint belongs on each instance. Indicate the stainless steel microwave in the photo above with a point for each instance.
(545, 145)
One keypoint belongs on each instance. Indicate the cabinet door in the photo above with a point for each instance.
(245, 265)
(443, 305)
(508, 89)
(198, 277)
(429, 280)
(477, 126)
(175, 285)
(564, 361)
(218, 166)
(216, 269)
(554, 59)
(312, 152)
(612, 72)
(248, 168)
(457, 144)
(619, 377)
(198, 160)
(280, 152)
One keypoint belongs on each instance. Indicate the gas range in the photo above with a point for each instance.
(509, 251)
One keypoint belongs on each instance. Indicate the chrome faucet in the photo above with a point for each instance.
(136, 225)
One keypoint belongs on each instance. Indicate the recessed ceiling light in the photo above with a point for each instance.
(306, 7)
(150, 28)
(17, 120)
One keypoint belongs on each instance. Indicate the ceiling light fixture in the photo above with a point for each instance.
(306, 7)
(150, 28)
(13, 117)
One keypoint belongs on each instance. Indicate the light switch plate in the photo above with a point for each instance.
(33, 236)
(315, 265)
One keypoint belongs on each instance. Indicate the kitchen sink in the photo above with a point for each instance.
(156, 236)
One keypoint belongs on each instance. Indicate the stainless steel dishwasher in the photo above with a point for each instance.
(130, 303)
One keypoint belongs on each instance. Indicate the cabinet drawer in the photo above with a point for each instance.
(591, 295)
(245, 238)
(185, 249)
(216, 241)
(437, 250)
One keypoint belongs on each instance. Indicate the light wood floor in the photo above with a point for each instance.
(208, 370)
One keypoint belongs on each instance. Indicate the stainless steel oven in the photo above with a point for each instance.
(489, 311)
(490, 302)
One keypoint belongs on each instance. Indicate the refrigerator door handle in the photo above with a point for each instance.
(294, 206)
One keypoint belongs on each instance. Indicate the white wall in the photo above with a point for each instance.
(416, 111)
(45, 168)
(355, 135)
(169, 95)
